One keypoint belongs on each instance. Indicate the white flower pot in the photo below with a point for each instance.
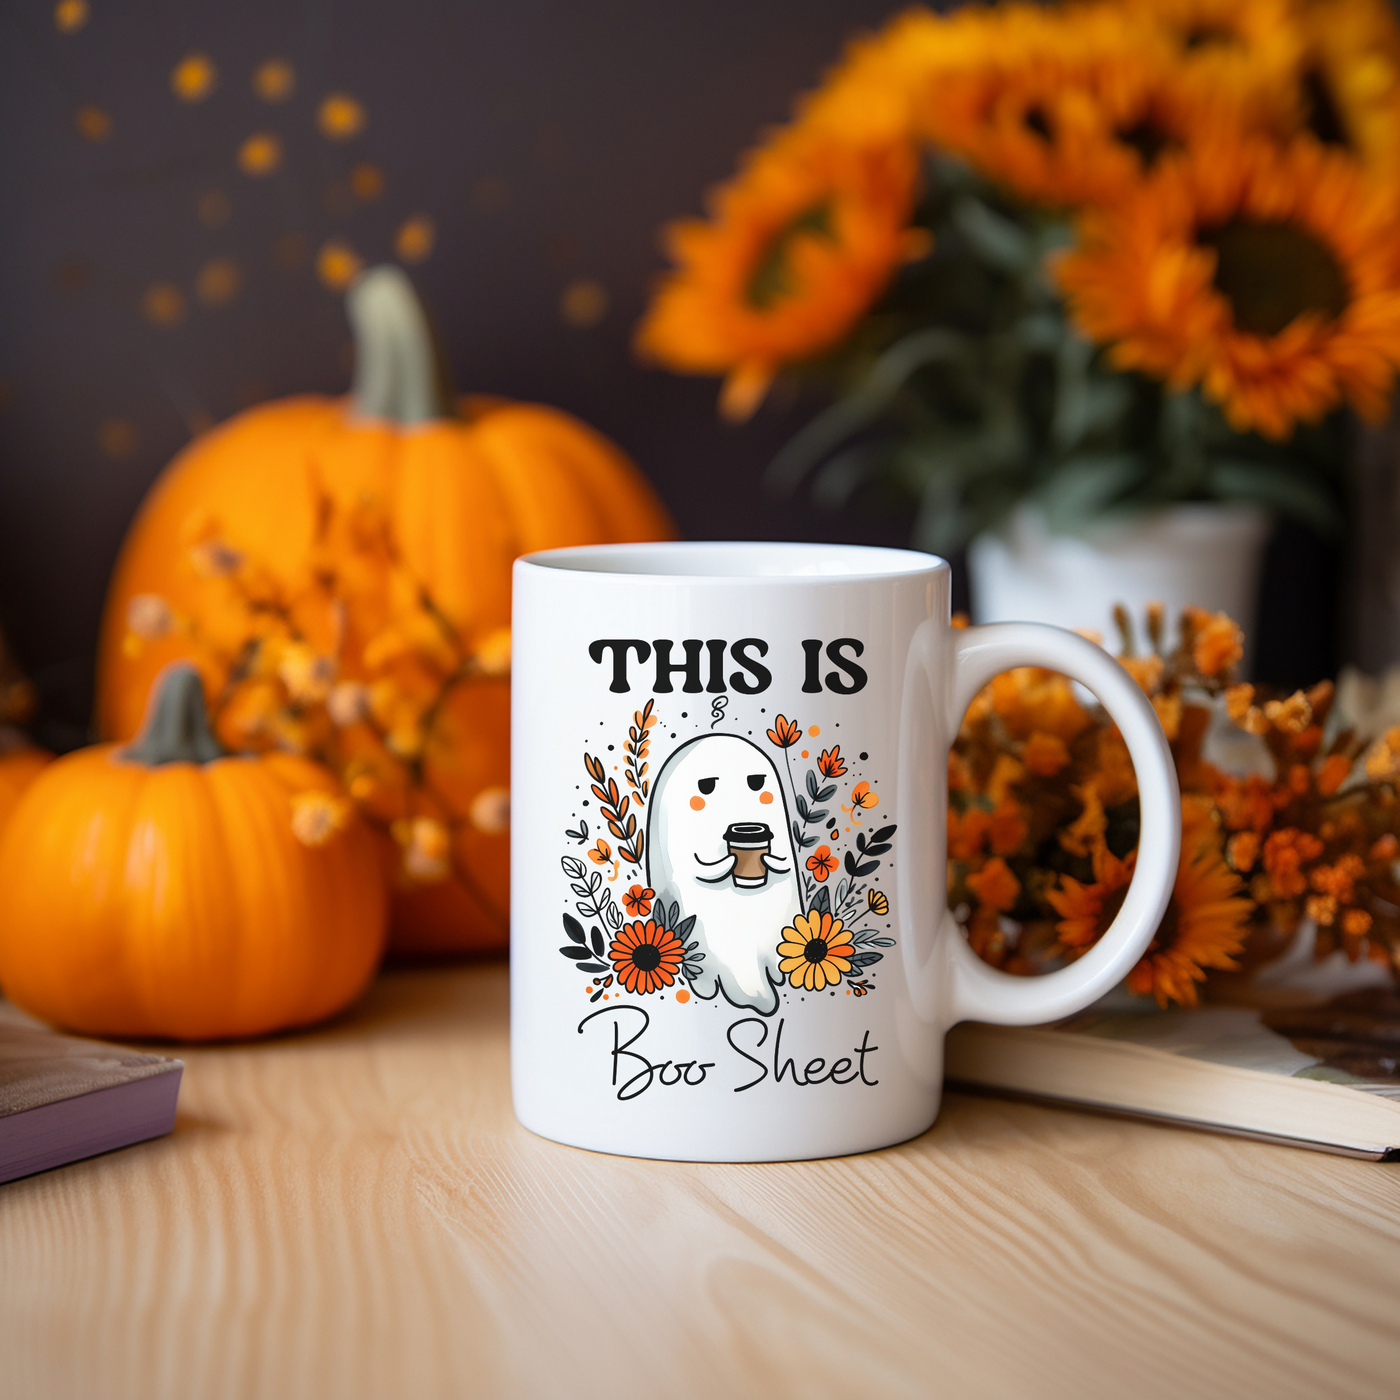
(1185, 555)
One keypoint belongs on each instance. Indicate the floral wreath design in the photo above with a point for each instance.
(642, 945)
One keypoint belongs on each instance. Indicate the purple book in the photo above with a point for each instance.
(62, 1099)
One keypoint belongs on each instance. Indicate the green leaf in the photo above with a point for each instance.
(871, 397)
(1087, 485)
(839, 477)
(994, 239)
(1277, 486)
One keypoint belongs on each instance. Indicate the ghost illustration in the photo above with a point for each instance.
(719, 844)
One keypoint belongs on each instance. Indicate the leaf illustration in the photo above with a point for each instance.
(685, 926)
(577, 954)
(885, 833)
(822, 902)
(573, 928)
(614, 916)
(803, 810)
(596, 935)
(826, 793)
(812, 783)
(593, 967)
(866, 959)
(573, 867)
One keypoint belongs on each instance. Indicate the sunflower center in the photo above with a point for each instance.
(1147, 139)
(815, 951)
(646, 957)
(772, 278)
(1037, 119)
(1271, 273)
(1325, 119)
(1209, 36)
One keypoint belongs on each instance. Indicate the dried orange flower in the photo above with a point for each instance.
(995, 885)
(1218, 641)
(1044, 754)
(318, 816)
(1315, 830)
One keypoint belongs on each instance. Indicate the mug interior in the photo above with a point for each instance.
(739, 560)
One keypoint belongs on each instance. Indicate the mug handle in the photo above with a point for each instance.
(980, 992)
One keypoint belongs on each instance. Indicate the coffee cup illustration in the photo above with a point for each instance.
(748, 843)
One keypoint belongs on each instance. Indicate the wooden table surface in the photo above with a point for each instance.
(355, 1212)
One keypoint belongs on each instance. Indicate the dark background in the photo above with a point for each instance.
(546, 142)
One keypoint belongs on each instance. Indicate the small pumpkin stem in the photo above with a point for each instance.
(399, 371)
(176, 728)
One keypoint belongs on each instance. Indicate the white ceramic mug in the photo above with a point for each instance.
(729, 932)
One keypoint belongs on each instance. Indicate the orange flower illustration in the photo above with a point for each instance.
(601, 854)
(646, 957)
(814, 953)
(821, 862)
(637, 901)
(862, 800)
(785, 733)
(830, 762)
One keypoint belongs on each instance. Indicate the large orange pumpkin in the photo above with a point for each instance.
(467, 488)
(165, 890)
(18, 768)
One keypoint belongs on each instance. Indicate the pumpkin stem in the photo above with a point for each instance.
(399, 371)
(176, 728)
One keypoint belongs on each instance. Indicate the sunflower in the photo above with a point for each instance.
(1216, 42)
(1266, 275)
(1204, 924)
(796, 249)
(1069, 107)
(1348, 88)
(646, 957)
(814, 952)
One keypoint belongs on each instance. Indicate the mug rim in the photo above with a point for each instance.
(691, 562)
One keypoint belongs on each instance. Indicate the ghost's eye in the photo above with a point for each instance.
(707, 785)
(756, 780)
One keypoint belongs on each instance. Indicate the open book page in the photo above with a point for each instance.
(1333, 1021)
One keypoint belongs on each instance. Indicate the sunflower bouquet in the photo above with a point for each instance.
(1291, 817)
(1104, 254)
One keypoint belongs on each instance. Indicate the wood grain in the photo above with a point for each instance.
(355, 1212)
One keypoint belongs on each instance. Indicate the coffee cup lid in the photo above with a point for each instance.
(748, 834)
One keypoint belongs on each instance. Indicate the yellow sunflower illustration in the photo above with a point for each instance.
(814, 953)
(1267, 275)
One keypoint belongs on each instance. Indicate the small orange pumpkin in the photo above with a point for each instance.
(18, 768)
(468, 487)
(163, 890)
